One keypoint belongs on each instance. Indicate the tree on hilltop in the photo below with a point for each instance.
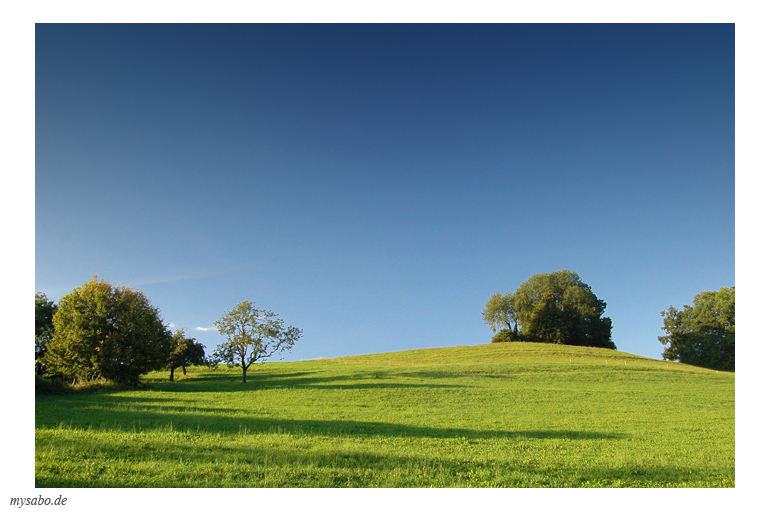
(499, 312)
(702, 334)
(560, 308)
(252, 334)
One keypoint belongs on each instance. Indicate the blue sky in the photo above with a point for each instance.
(374, 185)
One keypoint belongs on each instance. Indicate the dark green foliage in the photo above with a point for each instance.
(560, 308)
(702, 334)
(185, 352)
(44, 311)
(44, 386)
(505, 336)
(101, 331)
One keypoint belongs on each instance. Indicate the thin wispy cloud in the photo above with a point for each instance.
(205, 329)
(58, 291)
(189, 276)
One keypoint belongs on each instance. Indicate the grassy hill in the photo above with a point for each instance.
(505, 415)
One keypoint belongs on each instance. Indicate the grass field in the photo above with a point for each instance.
(502, 415)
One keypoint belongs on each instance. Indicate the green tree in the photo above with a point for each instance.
(185, 352)
(106, 331)
(560, 308)
(252, 334)
(44, 311)
(702, 334)
(499, 312)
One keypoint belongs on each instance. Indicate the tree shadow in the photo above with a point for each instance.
(121, 413)
(109, 464)
(231, 381)
(134, 415)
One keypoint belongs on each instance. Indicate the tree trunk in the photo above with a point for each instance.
(244, 375)
(172, 374)
(184, 370)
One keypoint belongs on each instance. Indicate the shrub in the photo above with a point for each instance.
(504, 336)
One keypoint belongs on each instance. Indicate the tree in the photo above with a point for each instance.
(184, 352)
(44, 311)
(253, 334)
(106, 331)
(560, 308)
(702, 334)
(499, 312)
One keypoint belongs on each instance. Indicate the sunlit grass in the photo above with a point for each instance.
(507, 415)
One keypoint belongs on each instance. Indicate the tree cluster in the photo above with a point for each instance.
(702, 334)
(550, 308)
(101, 331)
(105, 331)
(560, 308)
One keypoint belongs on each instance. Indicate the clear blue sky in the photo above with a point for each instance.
(374, 185)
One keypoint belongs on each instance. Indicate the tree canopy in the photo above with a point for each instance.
(44, 311)
(107, 331)
(184, 352)
(560, 308)
(702, 334)
(499, 312)
(252, 334)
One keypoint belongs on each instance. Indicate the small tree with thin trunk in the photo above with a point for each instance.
(252, 334)
(185, 352)
(499, 312)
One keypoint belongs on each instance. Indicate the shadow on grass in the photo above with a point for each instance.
(144, 456)
(179, 462)
(256, 380)
(125, 413)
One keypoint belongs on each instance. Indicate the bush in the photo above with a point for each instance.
(504, 336)
(109, 332)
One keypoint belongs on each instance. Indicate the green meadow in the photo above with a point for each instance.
(496, 415)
